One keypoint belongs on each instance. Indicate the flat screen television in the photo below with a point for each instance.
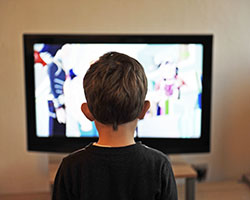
(178, 68)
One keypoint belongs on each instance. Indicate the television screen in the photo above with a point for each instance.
(178, 70)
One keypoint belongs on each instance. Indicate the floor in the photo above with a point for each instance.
(229, 190)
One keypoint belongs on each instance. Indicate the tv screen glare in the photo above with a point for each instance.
(178, 69)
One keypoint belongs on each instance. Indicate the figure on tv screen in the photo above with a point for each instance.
(70, 57)
(62, 64)
(56, 107)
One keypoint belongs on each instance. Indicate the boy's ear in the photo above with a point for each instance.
(86, 112)
(145, 108)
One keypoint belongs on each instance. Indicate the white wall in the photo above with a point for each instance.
(228, 20)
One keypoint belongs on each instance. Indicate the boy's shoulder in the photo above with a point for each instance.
(77, 155)
(155, 155)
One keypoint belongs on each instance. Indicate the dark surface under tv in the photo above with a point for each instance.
(166, 145)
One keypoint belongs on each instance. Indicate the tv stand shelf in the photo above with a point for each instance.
(181, 170)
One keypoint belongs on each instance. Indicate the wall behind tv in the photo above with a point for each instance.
(228, 20)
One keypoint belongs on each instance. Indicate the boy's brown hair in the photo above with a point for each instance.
(115, 87)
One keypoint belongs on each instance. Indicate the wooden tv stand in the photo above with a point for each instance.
(181, 170)
(187, 172)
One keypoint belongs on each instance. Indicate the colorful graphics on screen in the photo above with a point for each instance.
(174, 73)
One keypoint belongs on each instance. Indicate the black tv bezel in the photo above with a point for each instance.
(166, 145)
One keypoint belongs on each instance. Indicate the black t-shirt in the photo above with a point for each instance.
(122, 173)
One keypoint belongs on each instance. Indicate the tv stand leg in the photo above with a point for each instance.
(190, 189)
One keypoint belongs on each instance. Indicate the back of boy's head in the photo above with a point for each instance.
(115, 87)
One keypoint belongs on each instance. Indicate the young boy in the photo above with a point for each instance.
(115, 167)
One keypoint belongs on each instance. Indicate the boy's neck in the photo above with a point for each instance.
(124, 136)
